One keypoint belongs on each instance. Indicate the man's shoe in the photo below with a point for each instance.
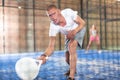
(69, 78)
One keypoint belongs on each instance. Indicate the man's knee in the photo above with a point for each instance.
(72, 46)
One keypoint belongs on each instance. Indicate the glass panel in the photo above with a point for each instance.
(19, 3)
(27, 17)
(11, 29)
(1, 30)
(11, 3)
(18, 28)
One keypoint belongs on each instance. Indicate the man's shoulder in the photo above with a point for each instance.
(66, 10)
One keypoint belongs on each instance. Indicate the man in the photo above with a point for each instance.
(72, 26)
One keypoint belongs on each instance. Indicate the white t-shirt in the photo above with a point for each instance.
(94, 32)
(69, 16)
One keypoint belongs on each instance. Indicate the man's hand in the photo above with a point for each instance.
(71, 34)
(43, 57)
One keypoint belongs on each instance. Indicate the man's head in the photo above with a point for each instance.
(54, 13)
(50, 7)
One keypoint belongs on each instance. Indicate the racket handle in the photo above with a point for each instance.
(39, 62)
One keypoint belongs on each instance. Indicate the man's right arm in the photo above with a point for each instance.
(51, 45)
(49, 49)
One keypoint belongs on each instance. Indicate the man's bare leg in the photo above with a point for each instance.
(73, 57)
(67, 55)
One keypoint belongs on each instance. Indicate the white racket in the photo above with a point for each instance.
(27, 68)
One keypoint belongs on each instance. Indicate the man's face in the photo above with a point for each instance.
(54, 15)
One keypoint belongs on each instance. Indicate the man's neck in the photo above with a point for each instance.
(62, 21)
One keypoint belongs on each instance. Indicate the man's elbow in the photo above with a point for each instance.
(83, 22)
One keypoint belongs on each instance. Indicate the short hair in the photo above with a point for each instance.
(50, 7)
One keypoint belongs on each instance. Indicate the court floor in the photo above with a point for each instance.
(90, 66)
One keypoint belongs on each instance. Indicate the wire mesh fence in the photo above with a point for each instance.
(25, 25)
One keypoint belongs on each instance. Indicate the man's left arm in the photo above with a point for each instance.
(80, 23)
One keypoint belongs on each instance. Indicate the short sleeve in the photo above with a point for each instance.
(71, 13)
(54, 29)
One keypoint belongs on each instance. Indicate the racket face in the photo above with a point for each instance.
(27, 68)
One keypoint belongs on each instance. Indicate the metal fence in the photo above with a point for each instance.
(24, 24)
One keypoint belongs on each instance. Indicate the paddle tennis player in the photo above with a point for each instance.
(69, 23)
(94, 37)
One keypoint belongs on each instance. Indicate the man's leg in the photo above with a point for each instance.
(67, 57)
(67, 61)
(73, 57)
(66, 51)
